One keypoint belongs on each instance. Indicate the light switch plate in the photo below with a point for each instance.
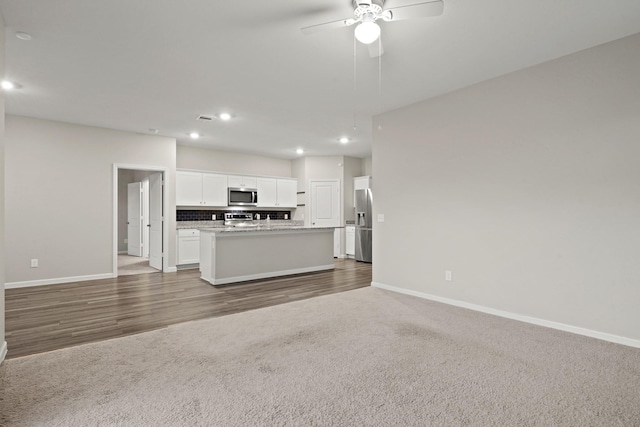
(380, 217)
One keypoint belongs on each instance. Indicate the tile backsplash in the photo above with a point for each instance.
(201, 215)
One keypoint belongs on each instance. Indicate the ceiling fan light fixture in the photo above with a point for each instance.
(367, 32)
(7, 85)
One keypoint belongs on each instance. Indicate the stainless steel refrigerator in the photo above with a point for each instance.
(364, 223)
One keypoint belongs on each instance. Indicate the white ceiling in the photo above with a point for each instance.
(136, 65)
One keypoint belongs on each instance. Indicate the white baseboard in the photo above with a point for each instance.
(123, 252)
(171, 270)
(3, 352)
(533, 320)
(58, 280)
(235, 279)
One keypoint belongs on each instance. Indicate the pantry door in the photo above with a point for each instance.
(325, 203)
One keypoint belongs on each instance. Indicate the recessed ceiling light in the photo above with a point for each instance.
(225, 116)
(344, 140)
(194, 135)
(299, 151)
(23, 36)
(7, 85)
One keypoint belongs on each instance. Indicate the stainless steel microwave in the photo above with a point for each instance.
(243, 196)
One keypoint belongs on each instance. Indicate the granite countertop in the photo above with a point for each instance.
(220, 224)
(275, 225)
(262, 228)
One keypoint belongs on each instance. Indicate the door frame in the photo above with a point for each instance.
(165, 209)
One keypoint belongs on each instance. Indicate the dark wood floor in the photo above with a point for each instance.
(45, 318)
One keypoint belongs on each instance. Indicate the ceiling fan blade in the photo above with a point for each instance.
(418, 10)
(326, 26)
(375, 49)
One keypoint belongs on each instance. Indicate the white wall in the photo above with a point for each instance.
(228, 162)
(527, 187)
(343, 168)
(367, 166)
(352, 168)
(323, 167)
(298, 171)
(3, 344)
(59, 195)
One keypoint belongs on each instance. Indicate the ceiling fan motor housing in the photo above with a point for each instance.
(364, 3)
(368, 11)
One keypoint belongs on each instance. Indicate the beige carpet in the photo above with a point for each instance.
(360, 358)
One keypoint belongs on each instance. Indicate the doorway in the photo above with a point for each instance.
(140, 230)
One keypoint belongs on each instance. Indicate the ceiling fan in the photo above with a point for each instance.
(367, 12)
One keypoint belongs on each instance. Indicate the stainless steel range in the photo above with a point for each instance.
(239, 220)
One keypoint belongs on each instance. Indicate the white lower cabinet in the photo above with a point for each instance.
(337, 243)
(350, 236)
(188, 246)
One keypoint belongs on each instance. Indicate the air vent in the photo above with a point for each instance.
(205, 118)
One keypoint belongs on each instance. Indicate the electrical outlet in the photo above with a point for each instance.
(380, 217)
(34, 263)
(448, 275)
(213, 217)
(126, 240)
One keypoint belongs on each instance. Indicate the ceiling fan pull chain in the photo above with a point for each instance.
(379, 82)
(355, 83)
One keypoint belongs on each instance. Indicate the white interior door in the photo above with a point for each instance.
(145, 217)
(134, 218)
(155, 220)
(325, 203)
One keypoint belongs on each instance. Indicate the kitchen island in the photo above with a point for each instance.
(236, 254)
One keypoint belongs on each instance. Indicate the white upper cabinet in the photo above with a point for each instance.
(287, 190)
(188, 188)
(201, 189)
(360, 183)
(280, 193)
(238, 181)
(210, 189)
(267, 192)
(214, 189)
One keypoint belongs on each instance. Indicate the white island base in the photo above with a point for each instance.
(230, 256)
